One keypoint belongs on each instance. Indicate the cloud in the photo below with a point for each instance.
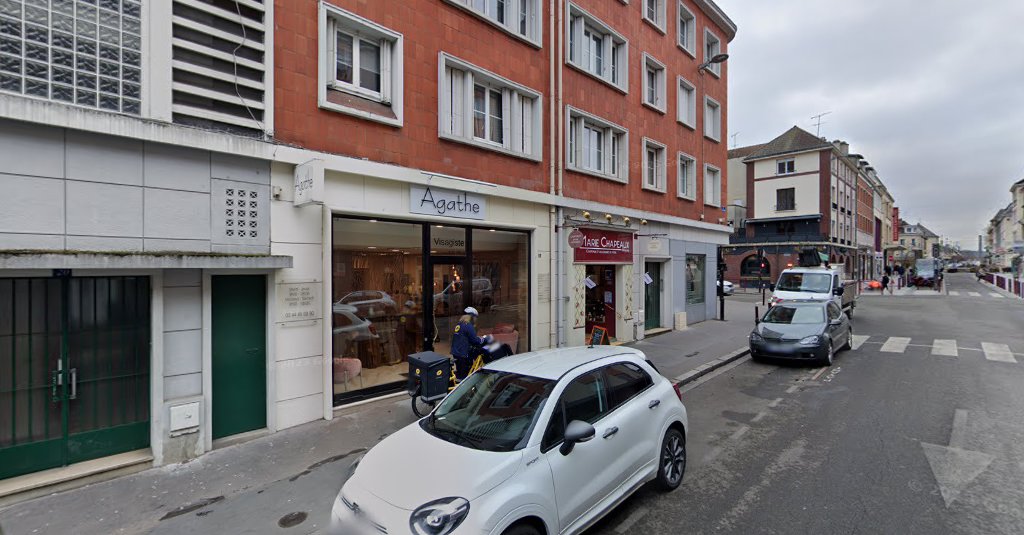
(931, 93)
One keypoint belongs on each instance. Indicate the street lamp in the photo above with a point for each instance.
(717, 58)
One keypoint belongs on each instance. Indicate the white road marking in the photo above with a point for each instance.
(713, 454)
(954, 293)
(775, 402)
(974, 294)
(998, 352)
(792, 389)
(858, 340)
(945, 347)
(895, 344)
(958, 436)
(739, 432)
(993, 294)
(759, 416)
(630, 520)
(818, 374)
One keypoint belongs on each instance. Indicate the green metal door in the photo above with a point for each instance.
(239, 360)
(652, 296)
(74, 370)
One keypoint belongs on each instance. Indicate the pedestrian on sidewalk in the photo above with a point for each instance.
(885, 285)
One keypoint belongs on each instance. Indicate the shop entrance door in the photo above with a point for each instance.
(239, 354)
(652, 296)
(74, 370)
(450, 297)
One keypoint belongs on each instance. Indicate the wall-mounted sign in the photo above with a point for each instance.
(428, 200)
(309, 183)
(895, 223)
(605, 247)
(297, 301)
(589, 283)
(447, 240)
(647, 278)
(575, 238)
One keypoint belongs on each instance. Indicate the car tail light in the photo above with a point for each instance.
(679, 393)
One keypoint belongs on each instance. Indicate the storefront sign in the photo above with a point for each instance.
(309, 183)
(428, 200)
(895, 223)
(298, 301)
(575, 238)
(605, 247)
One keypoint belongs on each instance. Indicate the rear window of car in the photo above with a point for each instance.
(792, 314)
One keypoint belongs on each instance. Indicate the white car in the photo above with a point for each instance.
(539, 443)
(727, 287)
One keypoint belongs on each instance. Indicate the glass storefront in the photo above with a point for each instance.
(695, 279)
(384, 310)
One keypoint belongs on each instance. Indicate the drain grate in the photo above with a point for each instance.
(291, 520)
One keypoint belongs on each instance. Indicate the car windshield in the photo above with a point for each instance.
(794, 314)
(490, 410)
(804, 282)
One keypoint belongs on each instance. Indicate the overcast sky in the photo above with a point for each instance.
(930, 92)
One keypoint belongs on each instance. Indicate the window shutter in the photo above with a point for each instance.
(606, 52)
(506, 117)
(526, 109)
(385, 70)
(466, 104)
(445, 97)
(516, 119)
(577, 38)
(455, 87)
(331, 61)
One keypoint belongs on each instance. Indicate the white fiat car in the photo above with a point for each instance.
(540, 443)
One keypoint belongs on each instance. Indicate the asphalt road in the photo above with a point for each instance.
(901, 435)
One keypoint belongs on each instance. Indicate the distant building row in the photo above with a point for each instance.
(1004, 236)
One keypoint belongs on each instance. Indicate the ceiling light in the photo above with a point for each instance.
(373, 221)
(372, 247)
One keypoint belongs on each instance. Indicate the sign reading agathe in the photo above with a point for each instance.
(309, 183)
(605, 247)
(429, 200)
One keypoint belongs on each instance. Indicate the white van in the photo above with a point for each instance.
(815, 283)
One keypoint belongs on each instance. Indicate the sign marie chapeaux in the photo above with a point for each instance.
(430, 200)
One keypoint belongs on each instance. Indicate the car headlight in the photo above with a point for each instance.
(439, 517)
(809, 341)
(754, 337)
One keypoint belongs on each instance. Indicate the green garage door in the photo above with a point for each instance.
(74, 370)
(239, 359)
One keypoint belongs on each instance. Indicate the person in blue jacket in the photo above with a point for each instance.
(465, 342)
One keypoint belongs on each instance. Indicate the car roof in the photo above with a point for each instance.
(805, 302)
(554, 363)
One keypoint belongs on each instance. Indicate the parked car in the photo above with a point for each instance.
(450, 300)
(370, 303)
(348, 328)
(727, 287)
(801, 330)
(543, 442)
(815, 283)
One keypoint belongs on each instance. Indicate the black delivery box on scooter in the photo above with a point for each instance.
(432, 371)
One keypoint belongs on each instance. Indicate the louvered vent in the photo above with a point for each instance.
(219, 69)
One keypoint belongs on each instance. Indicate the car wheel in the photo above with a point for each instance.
(849, 339)
(522, 528)
(829, 356)
(672, 460)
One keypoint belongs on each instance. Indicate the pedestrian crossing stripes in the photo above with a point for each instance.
(942, 347)
(974, 294)
(993, 294)
(998, 352)
(895, 344)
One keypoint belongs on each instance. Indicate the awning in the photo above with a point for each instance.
(116, 260)
(786, 218)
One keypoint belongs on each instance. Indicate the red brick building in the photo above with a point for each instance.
(454, 145)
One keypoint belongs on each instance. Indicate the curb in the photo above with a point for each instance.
(705, 369)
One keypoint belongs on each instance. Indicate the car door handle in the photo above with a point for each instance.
(654, 403)
(609, 432)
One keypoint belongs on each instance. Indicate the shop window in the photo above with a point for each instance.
(695, 279)
(501, 286)
(376, 273)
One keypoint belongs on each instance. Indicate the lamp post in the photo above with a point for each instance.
(717, 58)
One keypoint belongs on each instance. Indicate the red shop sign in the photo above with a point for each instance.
(605, 247)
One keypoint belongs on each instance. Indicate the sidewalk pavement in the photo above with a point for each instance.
(286, 482)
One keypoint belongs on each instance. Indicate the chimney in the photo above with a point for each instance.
(844, 148)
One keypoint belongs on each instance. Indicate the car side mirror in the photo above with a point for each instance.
(837, 321)
(839, 290)
(576, 431)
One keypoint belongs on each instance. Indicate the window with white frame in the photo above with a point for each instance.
(364, 59)
(712, 119)
(686, 177)
(518, 17)
(687, 32)
(483, 109)
(597, 49)
(654, 83)
(686, 108)
(654, 12)
(712, 47)
(596, 146)
(785, 167)
(654, 165)
(712, 185)
(69, 52)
